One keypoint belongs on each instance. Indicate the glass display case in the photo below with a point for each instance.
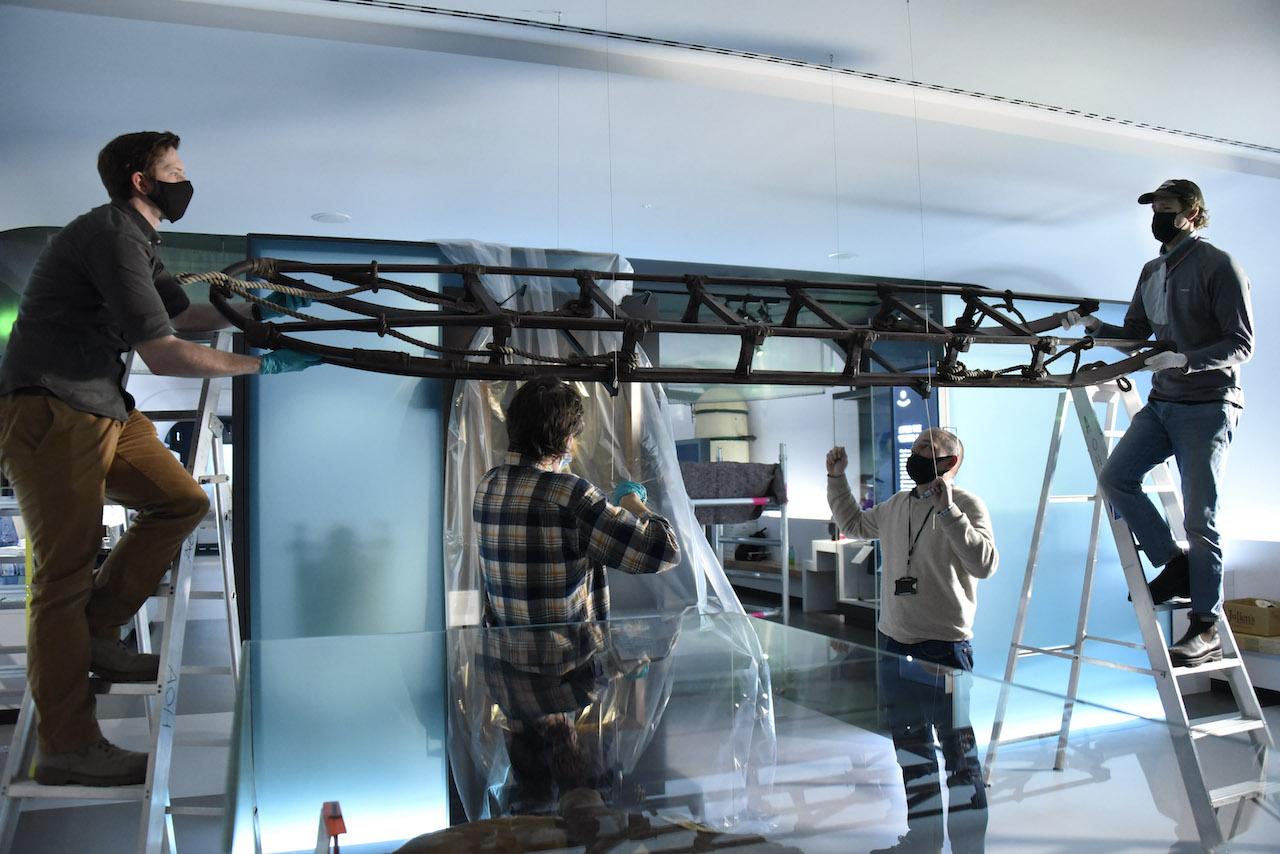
(690, 732)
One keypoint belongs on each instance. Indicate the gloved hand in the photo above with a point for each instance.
(1075, 318)
(286, 362)
(630, 487)
(1164, 360)
(289, 301)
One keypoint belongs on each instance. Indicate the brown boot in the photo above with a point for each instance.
(114, 661)
(101, 763)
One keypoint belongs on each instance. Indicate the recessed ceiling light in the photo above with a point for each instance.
(647, 206)
(840, 256)
(331, 216)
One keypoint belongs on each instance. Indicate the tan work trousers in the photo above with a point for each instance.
(63, 464)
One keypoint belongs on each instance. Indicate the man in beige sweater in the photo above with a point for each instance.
(936, 543)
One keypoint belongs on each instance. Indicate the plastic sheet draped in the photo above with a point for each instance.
(625, 437)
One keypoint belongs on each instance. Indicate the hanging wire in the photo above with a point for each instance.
(613, 244)
(837, 253)
(915, 126)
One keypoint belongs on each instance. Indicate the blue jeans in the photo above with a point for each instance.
(917, 709)
(1197, 435)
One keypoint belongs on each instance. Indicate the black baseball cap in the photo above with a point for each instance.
(1182, 189)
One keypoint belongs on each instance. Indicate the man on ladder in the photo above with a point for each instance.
(1196, 296)
(70, 436)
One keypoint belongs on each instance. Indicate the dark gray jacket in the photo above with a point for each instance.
(1205, 310)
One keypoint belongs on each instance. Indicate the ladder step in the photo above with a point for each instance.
(1222, 727)
(216, 812)
(136, 689)
(214, 478)
(1220, 797)
(180, 740)
(1174, 605)
(172, 414)
(32, 789)
(1208, 667)
(1071, 499)
(206, 670)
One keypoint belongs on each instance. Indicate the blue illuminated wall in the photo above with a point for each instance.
(1006, 434)
(346, 473)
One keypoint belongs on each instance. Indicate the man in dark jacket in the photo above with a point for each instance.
(1196, 296)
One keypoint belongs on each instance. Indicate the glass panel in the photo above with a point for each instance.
(347, 473)
(662, 731)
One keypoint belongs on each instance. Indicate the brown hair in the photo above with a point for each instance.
(543, 417)
(129, 153)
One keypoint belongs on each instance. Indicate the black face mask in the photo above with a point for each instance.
(924, 469)
(171, 197)
(1162, 227)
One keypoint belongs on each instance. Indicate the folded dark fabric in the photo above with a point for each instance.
(733, 480)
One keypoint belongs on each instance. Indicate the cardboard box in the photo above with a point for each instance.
(1245, 616)
(1255, 643)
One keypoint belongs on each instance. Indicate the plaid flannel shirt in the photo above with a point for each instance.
(545, 539)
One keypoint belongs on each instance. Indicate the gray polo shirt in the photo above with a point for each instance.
(96, 291)
(1197, 297)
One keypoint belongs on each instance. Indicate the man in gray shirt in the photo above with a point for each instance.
(936, 544)
(1196, 296)
(70, 436)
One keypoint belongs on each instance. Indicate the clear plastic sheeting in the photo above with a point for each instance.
(610, 707)
(627, 436)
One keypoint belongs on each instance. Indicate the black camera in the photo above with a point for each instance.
(907, 585)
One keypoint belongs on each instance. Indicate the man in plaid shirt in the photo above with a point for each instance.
(546, 535)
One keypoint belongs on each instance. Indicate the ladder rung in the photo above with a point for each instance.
(1177, 605)
(1149, 488)
(1035, 737)
(1114, 642)
(206, 670)
(1071, 499)
(32, 789)
(1113, 434)
(1026, 650)
(214, 478)
(1208, 667)
(1222, 727)
(1238, 792)
(207, 594)
(12, 650)
(209, 811)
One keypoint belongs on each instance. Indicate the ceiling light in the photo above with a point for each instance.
(331, 216)
(840, 256)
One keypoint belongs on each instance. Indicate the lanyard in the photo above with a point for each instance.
(912, 541)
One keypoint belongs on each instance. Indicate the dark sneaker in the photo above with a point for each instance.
(99, 764)
(1199, 645)
(913, 842)
(114, 661)
(1173, 582)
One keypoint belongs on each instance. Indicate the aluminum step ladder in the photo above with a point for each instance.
(160, 698)
(1188, 735)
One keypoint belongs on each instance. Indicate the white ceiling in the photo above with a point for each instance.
(423, 126)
